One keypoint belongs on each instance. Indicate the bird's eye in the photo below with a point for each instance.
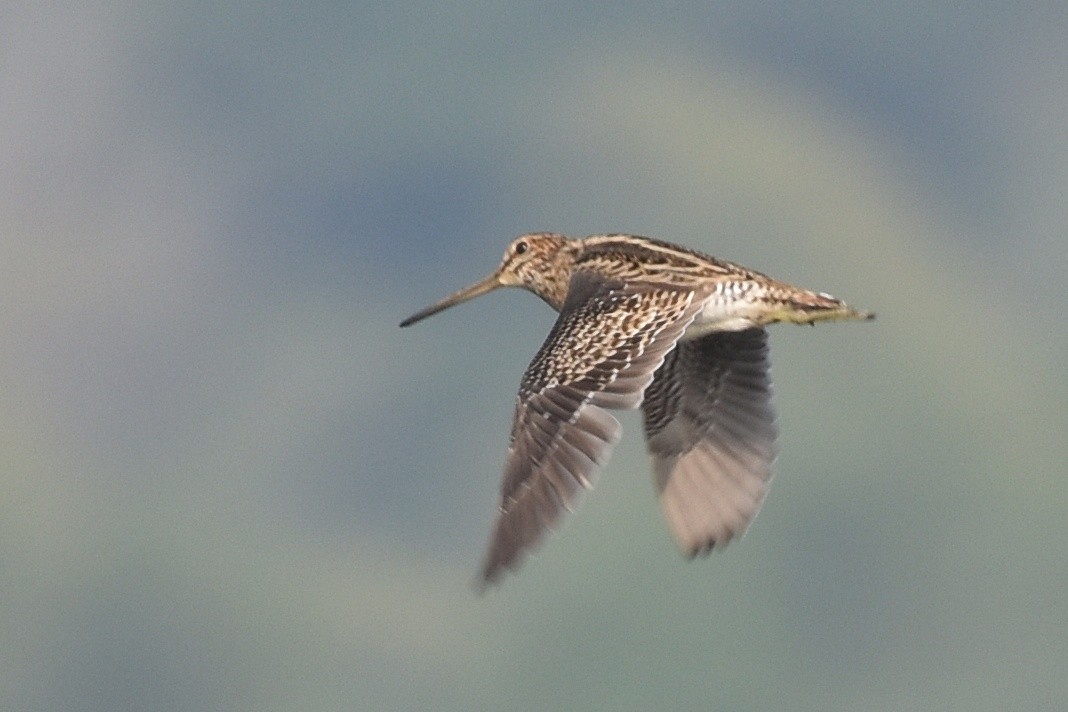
(520, 247)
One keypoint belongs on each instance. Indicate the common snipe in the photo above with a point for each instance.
(642, 323)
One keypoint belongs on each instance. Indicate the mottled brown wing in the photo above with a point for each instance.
(601, 353)
(711, 432)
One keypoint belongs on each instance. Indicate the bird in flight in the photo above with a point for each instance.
(642, 323)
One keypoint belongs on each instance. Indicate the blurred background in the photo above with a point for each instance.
(230, 482)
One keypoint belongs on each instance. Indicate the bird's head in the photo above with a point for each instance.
(531, 262)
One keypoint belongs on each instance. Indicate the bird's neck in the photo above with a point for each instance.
(555, 274)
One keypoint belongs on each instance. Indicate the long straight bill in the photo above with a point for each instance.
(475, 290)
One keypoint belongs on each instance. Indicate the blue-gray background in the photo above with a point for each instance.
(230, 482)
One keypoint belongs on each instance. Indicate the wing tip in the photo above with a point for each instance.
(488, 578)
(499, 561)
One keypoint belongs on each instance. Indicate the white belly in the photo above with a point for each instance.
(736, 307)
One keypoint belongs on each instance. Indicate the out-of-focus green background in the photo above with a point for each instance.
(230, 482)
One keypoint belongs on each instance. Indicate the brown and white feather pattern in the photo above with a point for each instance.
(609, 339)
(650, 261)
(711, 433)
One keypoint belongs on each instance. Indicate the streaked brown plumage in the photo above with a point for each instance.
(642, 323)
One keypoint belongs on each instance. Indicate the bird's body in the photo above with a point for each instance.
(642, 323)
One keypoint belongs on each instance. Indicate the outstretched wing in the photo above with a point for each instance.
(711, 433)
(607, 341)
